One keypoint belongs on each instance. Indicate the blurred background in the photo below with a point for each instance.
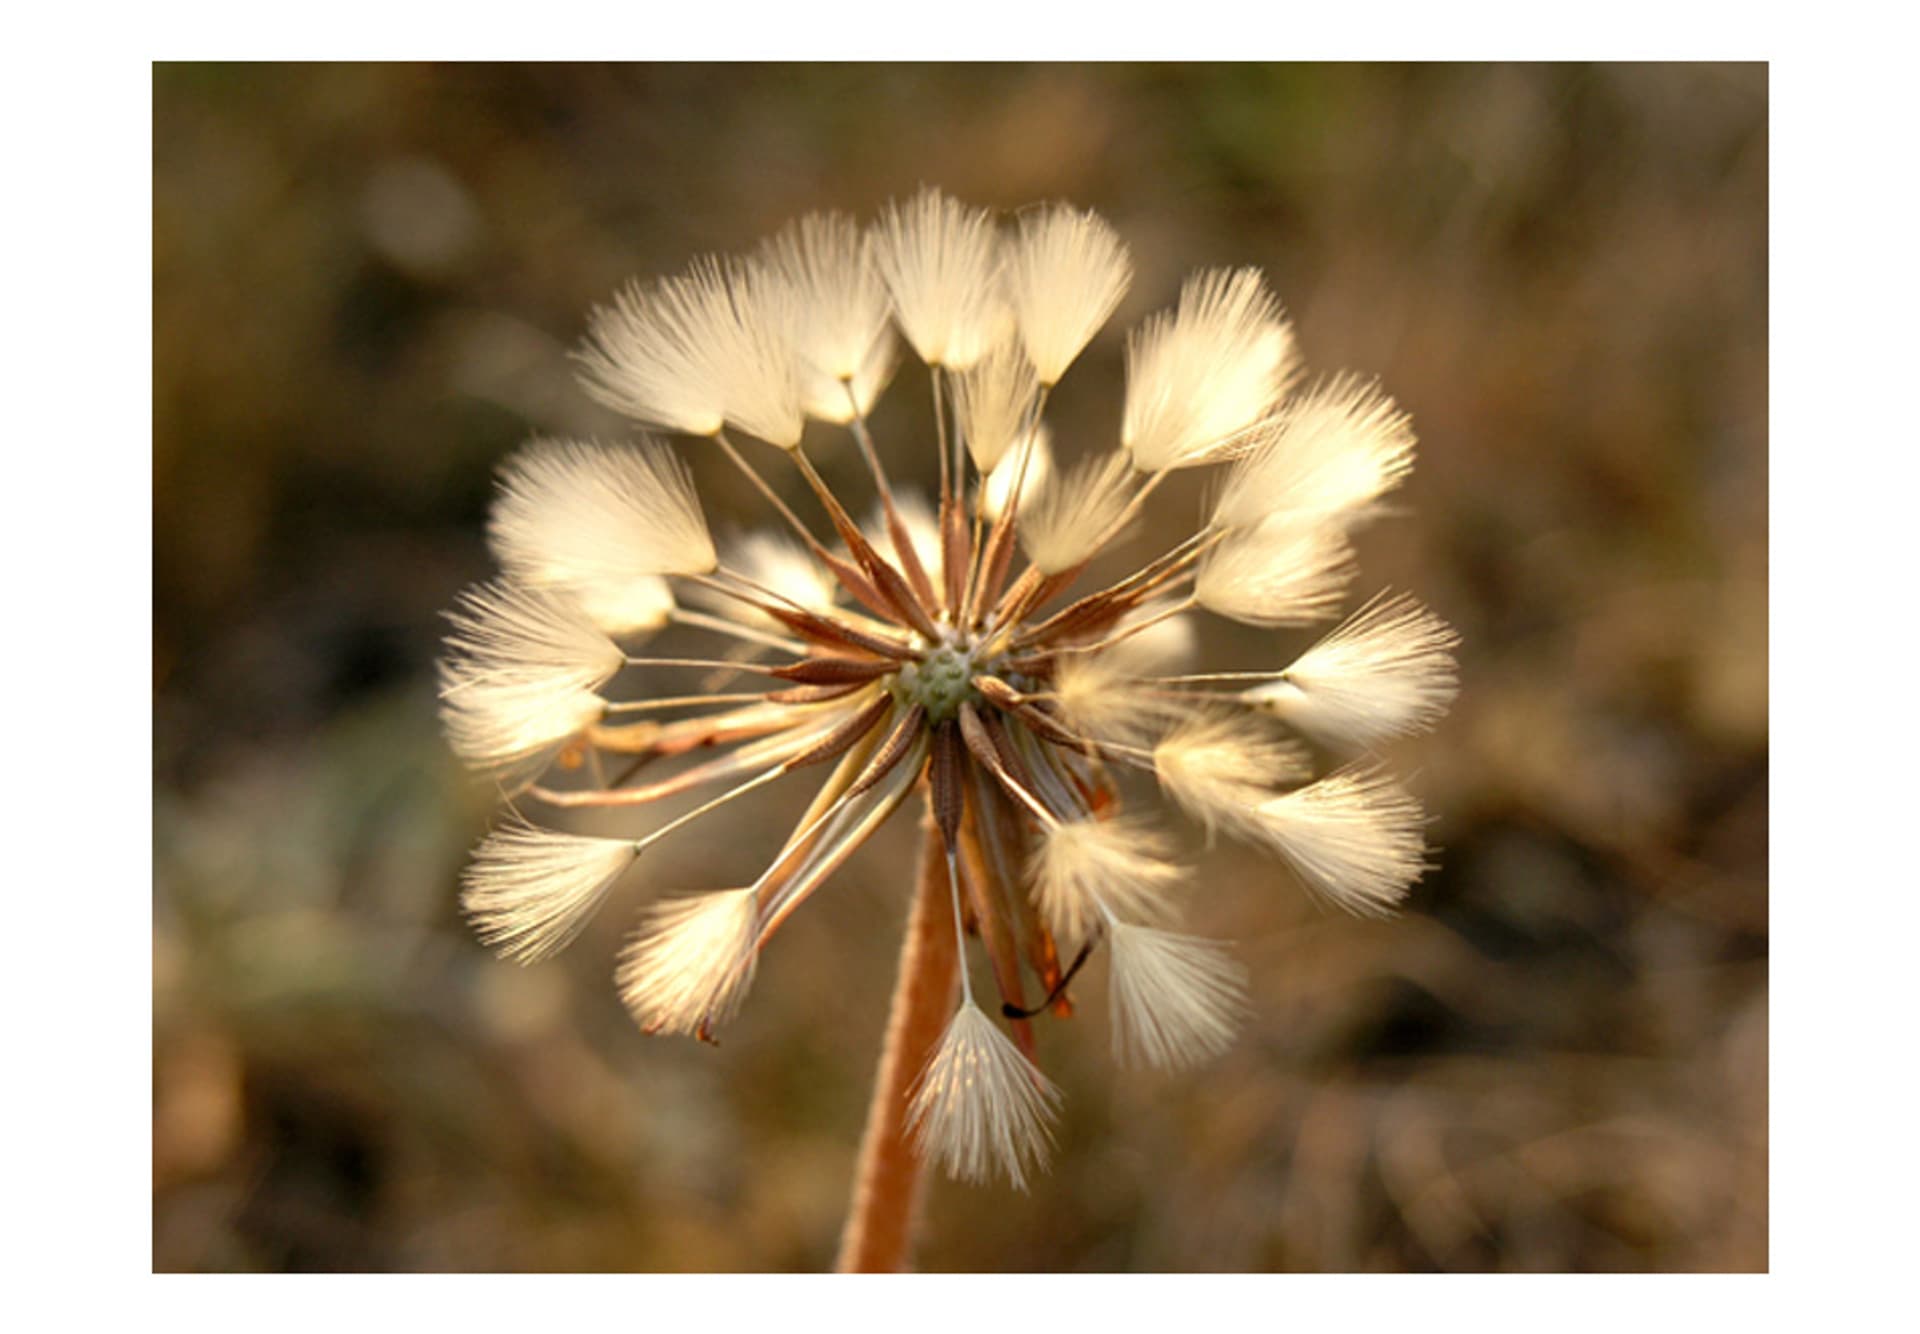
(366, 281)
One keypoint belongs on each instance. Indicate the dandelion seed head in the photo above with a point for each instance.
(950, 648)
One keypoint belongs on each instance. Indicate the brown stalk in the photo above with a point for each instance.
(988, 892)
(829, 671)
(896, 526)
(815, 694)
(1135, 588)
(904, 549)
(858, 586)
(825, 630)
(990, 751)
(677, 738)
(906, 727)
(785, 757)
(892, 588)
(1032, 589)
(841, 738)
(878, 1237)
(956, 554)
(1091, 614)
(1005, 839)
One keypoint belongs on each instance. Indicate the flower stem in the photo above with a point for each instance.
(879, 1233)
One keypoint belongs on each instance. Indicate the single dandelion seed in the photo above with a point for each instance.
(1177, 1000)
(1068, 520)
(1028, 466)
(1088, 869)
(689, 967)
(940, 260)
(949, 648)
(595, 519)
(521, 678)
(1386, 672)
(994, 403)
(980, 1105)
(1276, 573)
(1203, 377)
(529, 890)
(1327, 456)
(1066, 271)
(1355, 837)
(1220, 766)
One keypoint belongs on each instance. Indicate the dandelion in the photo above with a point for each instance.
(944, 649)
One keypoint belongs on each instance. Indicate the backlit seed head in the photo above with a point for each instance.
(950, 647)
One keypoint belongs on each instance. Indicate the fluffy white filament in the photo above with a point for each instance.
(1167, 642)
(1200, 377)
(1084, 870)
(843, 306)
(776, 562)
(826, 398)
(1066, 271)
(759, 363)
(502, 632)
(691, 353)
(1219, 767)
(995, 489)
(509, 727)
(629, 608)
(1354, 837)
(993, 400)
(1066, 521)
(691, 963)
(1101, 695)
(528, 890)
(1277, 573)
(842, 325)
(941, 263)
(1175, 1000)
(1387, 672)
(520, 678)
(651, 353)
(981, 1105)
(593, 520)
(1331, 454)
